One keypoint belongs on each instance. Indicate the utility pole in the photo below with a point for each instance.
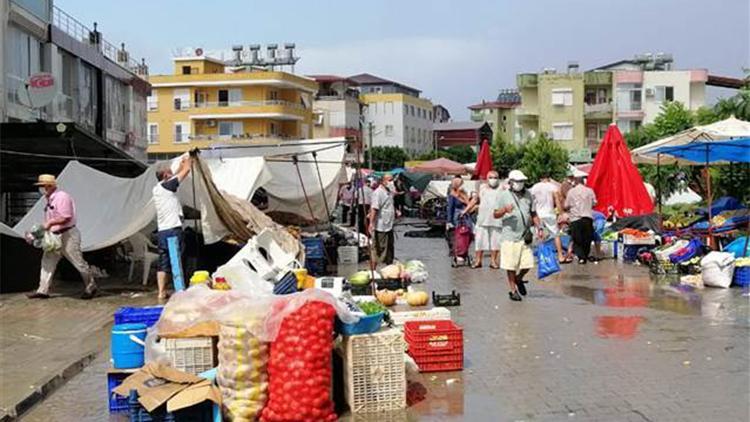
(369, 147)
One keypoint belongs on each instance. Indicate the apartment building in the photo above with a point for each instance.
(95, 107)
(576, 107)
(207, 101)
(337, 110)
(440, 114)
(394, 114)
(500, 115)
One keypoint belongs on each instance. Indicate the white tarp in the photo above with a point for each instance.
(687, 196)
(110, 209)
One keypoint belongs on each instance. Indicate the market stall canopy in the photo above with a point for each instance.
(707, 152)
(616, 180)
(576, 171)
(439, 166)
(687, 196)
(439, 189)
(722, 130)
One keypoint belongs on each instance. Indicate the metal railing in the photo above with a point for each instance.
(241, 137)
(241, 103)
(82, 33)
(597, 108)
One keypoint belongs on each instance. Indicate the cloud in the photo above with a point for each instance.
(452, 71)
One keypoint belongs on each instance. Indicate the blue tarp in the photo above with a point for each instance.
(732, 151)
(725, 203)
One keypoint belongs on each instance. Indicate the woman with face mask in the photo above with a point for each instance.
(458, 203)
(487, 229)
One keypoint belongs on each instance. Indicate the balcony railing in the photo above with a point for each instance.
(211, 104)
(594, 110)
(82, 33)
(242, 137)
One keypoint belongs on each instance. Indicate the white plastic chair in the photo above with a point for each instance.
(140, 252)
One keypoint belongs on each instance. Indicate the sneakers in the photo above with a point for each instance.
(37, 295)
(521, 287)
(89, 295)
(514, 296)
(582, 261)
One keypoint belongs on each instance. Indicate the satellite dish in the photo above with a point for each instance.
(40, 89)
(198, 52)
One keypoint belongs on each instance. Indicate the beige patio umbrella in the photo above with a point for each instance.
(721, 130)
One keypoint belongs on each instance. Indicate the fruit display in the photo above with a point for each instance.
(386, 297)
(417, 298)
(299, 368)
(242, 376)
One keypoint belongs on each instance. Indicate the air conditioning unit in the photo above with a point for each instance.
(650, 92)
(211, 123)
(318, 119)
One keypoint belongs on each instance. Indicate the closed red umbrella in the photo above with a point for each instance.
(616, 180)
(484, 162)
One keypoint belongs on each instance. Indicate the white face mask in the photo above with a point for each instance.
(493, 182)
(516, 186)
(42, 190)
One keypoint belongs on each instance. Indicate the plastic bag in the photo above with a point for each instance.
(51, 242)
(242, 374)
(155, 350)
(546, 260)
(417, 271)
(717, 269)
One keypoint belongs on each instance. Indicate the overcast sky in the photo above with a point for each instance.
(456, 52)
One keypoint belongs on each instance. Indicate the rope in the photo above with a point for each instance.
(304, 191)
(68, 157)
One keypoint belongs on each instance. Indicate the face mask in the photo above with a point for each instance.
(493, 182)
(516, 186)
(42, 191)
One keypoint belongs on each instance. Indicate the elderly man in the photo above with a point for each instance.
(516, 208)
(580, 204)
(382, 216)
(488, 228)
(168, 217)
(60, 219)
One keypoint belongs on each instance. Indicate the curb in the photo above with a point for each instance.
(47, 387)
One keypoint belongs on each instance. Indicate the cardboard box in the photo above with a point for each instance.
(157, 384)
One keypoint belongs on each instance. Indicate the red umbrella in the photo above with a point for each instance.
(616, 180)
(484, 162)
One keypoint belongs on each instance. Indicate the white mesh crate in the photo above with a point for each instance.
(439, 313)
(374, 371)
(191, 355)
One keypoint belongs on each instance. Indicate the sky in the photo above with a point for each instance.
(457, 52)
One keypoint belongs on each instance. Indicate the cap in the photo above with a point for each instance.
(46, 180)
(517, 175)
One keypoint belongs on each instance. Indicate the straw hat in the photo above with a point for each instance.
(46, 180)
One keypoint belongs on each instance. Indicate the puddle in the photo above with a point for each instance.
(621, 327)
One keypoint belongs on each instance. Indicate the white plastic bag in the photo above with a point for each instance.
(51, 242)
(155, 350)
(717, 269)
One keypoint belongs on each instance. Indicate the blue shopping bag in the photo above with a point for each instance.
(546, 260)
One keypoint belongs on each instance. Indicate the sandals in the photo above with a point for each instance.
(495, 267)
(567, 261)
(475, 266)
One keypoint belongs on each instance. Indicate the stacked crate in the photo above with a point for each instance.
(436, 345)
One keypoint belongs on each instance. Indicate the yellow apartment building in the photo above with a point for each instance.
(206, 102)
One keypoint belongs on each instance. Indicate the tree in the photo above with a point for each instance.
(673, 118)
(544, 156)
(506, 156)
(386, 158)
(462, 154)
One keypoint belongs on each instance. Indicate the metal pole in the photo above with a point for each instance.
(369, 147)
(658, 180)
(710, 200)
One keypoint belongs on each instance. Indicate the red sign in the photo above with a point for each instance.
(42, 80)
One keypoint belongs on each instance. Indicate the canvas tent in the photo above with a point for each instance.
(111, 209)
(439, 166)
(722, 130)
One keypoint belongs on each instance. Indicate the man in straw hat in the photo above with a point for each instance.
(60, 219)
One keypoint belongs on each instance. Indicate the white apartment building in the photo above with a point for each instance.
(394, 115)
(336, 108)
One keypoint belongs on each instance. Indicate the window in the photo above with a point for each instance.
(181, 99)
(629, 97)
(230, 128)
(430, 115)
(152, 101)
(376, 89)
(406, 110)
(626, 126)
(411, 110)
(389, 131)
(273, 128)
(235, 96)
(590, 96)
(562, 97)
(664, 93)
(200, 98)
(562, 131)
(185, 70)
(153, 133)
(181, 133)
(273, 95)
(601, 96)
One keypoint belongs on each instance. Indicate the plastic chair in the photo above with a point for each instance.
(140, 252)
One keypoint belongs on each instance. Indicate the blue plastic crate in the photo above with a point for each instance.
(742, 276)
(287, 285)
(366, 325)
(316, 267)
(202, 412)
(117, 403)
(314, 247)
(145, 315)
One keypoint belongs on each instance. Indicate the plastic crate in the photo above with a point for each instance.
(390, 284)
(148, 315)
(117, 403)
(315, 266)
(314, 247)
(287, 285)
(399, 318)
(435, 345)
(367, 324)
(742, 276)
(191, 355)
(375, 372)
(202, 412)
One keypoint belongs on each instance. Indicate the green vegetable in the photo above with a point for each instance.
(370, 308)
(360, 278)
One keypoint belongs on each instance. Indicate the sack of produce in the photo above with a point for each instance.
(242, 375)
(718, 269)
(299, 368)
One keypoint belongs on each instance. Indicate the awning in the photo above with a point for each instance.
(704, 152)
(30, 149)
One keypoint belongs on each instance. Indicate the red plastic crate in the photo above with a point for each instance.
(435, 345)
(436, 363)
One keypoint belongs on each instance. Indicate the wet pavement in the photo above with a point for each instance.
(593, 343)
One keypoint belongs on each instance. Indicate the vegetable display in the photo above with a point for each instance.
(386, 297)
(299, 368)
(370, 308)
(417, 298)
(242, 375)
(360, 278)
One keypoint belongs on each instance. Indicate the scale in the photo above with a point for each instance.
(333, 285)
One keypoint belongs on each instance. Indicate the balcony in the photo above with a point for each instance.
(597, 78)
(527, 112)
(278, 109)
(527, 80)
(600, 111)
(243, 137)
